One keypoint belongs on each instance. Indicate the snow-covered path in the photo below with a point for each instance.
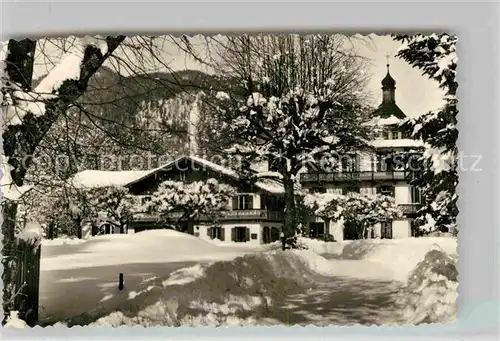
(342, 301)
(360, 292)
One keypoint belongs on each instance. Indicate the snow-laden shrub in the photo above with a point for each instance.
(13, 321)
(401, 255)
(431, 293)
(31, 234)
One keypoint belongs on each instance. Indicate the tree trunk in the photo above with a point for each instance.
(50, 230)
(190, 226)
(122, 228)
(78, 227)
(289, 227)
(361, 232)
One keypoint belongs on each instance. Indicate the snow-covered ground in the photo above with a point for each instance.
(400, 256)
(175, 279)
(160, 246)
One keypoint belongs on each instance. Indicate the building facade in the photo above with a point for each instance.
(383, 169)
(255, 214)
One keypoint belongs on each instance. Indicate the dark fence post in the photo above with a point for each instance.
(27, 281)
(120, 282)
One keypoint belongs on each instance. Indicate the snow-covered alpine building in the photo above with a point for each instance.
(255, 214)
(373, 172)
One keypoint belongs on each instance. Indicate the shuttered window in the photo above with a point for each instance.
(243, 202)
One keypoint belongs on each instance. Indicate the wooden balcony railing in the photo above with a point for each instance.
(410, 208)
(353, 176)
(256, 214)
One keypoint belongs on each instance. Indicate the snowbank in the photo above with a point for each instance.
(401, 255)
(431, 294)
(227, 292)
(31, 234)
(322, 247)
(156, 246)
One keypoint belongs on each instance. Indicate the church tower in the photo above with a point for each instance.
(388, 106)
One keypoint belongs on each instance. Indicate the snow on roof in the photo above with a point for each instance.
(397, 143)
(97, 178)
(266, 185)
(214, 166)
(270, 186)
(379, 121)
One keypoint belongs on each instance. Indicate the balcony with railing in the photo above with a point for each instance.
(409, 209)
(353, 176)
(253, 214)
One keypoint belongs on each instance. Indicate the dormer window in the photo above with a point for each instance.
(395, 133)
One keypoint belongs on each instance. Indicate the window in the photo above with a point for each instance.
(243, 202)
(386, 190)
(240, 234)
(384, 163)
(387, 134)
(215, 232)
(350, 189)
(316, 230)
(182, 176)
(318, 190)
(386, 230)
(266, 235)
(395, 133)
(254, 235)
(416, 195)
(405, 134)
(270, 202)
(145, 199)
(350, 163)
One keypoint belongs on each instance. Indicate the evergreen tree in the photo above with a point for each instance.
(436, 56)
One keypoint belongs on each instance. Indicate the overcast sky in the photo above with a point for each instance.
(415, 93)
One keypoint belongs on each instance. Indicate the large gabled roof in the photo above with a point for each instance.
(96, 178)
(388, 109)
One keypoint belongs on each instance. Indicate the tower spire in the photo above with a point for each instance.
(387, 55)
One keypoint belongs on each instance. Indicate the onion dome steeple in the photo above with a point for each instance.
(388, 106)
(388, 83)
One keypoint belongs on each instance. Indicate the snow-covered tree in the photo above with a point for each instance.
(436, 56)
(363, 211)
(301, 103)
(200, 198)
(29, 112)
(112, 205)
